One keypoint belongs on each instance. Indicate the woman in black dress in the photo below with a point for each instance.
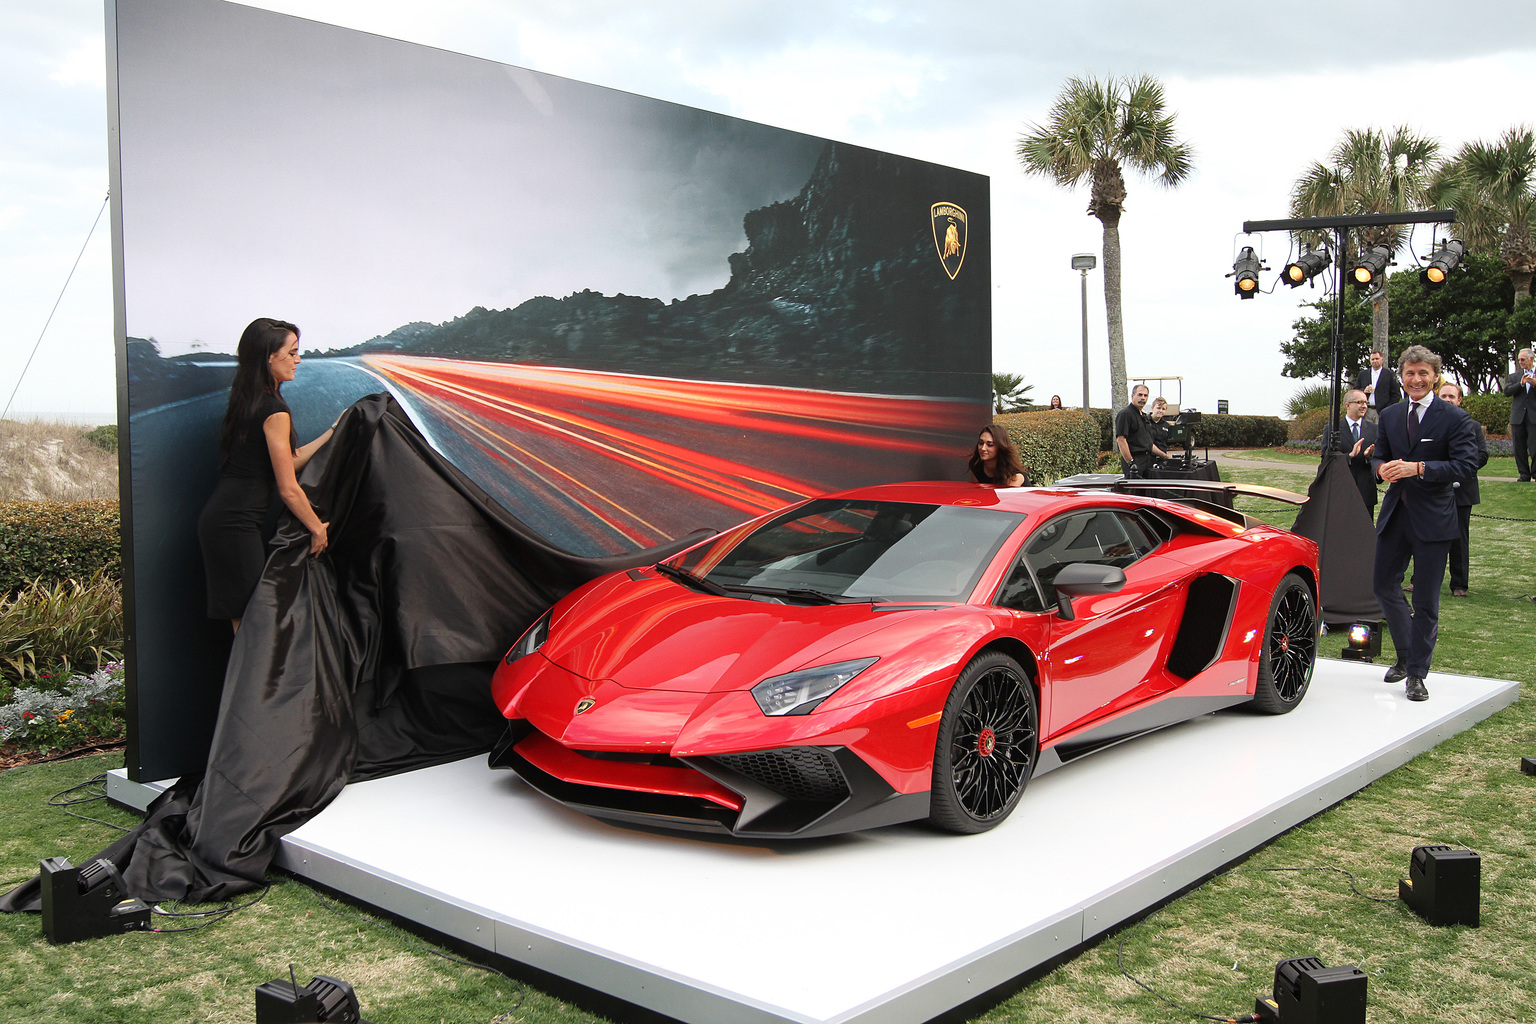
(258, 453)
(996, 461)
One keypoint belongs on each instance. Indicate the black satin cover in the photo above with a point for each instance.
(373, 658)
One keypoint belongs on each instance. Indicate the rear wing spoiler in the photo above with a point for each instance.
(1218, 502)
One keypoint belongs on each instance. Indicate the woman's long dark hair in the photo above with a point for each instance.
(261, 339)
(1007, 465)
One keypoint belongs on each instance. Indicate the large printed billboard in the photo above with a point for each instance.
(623, 318)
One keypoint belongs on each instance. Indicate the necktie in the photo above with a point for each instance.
(1413, 423)
(1354, 428)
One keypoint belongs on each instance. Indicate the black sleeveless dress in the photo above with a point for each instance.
(229, 529)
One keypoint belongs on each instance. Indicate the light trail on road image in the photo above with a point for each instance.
(607, 462)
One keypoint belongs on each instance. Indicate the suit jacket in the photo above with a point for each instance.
(1360, 466)
(1447, 445)
(1389, 391)
(1521, 402)
(1467, 490)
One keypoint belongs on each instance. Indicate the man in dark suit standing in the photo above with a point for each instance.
(1359, 442)
(1379, 386)
(1522, 413)
(1423, 446)
(1467, 495)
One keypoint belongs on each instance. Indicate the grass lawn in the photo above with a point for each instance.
(1213, 949)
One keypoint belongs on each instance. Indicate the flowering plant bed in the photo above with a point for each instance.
(86, 712)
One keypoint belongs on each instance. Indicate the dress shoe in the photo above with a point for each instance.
(1416, 689)
(1397, 673)
(1523, 480)
(1457, 592)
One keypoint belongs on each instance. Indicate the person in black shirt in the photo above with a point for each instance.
(1159, 424)
(995, 460)
(258, 453)
(1134, 438)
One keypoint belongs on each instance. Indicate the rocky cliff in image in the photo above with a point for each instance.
(839, 288)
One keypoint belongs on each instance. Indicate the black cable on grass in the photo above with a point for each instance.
(522, 992)
(211, 917)
(1120, 947)
(64, 800)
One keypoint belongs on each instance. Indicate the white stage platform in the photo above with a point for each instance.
(895, 925)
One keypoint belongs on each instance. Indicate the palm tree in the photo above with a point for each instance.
(1493, 189)
(1095, 129)
(1010, 393)
(1370, 171)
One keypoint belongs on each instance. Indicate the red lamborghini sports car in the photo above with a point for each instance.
(902, 652)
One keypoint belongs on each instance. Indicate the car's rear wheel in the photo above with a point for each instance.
(989, 737)
(1290, 648)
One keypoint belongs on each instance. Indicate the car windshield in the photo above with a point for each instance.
(846, 549)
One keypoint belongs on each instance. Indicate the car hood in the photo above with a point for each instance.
(654, 634)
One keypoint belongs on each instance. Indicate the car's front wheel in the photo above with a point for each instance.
(1290, 648)
(989, 737)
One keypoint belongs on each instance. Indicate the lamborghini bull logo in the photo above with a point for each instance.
(585, 704)
(949, 235)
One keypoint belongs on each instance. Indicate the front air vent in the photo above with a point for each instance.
(798, 773)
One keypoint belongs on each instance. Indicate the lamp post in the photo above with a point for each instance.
(1085, 261)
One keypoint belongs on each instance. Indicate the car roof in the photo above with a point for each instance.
(1043, 501)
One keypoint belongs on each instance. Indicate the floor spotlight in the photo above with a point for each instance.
(1364, 642)
(1306, 992)
(1370, 266)
(1443, 885)
(1246, 269)
(1305, 268)
(1442, 263)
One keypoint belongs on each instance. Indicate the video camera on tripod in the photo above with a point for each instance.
(1181, 434)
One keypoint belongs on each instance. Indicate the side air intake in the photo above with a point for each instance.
(1203, 630)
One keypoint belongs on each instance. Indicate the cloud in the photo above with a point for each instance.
(85, 65)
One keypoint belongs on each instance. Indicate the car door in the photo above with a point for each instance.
(1110, 653)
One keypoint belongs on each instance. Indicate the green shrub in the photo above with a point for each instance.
(54, 541)
(1053, 443)
(1215, 431)
(1308, 426)
(48, 630)
(103, 437)
(1492, 411)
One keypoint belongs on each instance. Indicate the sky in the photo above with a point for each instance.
(1259, 96)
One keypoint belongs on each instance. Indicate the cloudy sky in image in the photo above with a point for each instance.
(1259, 95)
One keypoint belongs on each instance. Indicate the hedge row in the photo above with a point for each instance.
(1308, 426)
(1492, 411)
(57, 540)
(1214, 431)
(1053, 443)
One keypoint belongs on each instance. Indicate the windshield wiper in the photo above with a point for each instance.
(692, 579)
(807, 594)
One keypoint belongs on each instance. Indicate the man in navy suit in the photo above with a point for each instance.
(1423, 446)
(1379, 386)
(1359, 443)
(1467, 495)
(1522, 412)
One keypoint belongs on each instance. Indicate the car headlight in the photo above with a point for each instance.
(798, 693)
(532, 640)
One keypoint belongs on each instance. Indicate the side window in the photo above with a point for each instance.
(1103, 537)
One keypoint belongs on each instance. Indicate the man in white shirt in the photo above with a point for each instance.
(1379, 384)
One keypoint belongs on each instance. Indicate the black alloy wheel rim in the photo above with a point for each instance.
(1292, 643)
(993, 747)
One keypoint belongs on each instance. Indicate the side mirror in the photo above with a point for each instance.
(1081, 579)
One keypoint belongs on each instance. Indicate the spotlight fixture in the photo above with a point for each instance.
(325, 1000)
(87, 902)
(1442, 263)
(1364, 642)
(1443, 885)
(1306, 992)
(1246, 269)
(1305, 268)
(1370, 266)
